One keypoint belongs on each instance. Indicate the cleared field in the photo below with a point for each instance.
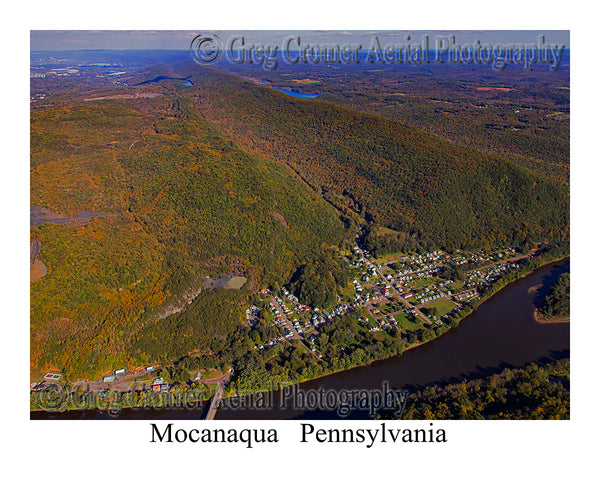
(442, 307)
(407, 325)
(422, 282)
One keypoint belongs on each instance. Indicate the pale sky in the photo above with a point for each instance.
(180, 40)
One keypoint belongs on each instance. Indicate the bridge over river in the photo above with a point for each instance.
(216, 399)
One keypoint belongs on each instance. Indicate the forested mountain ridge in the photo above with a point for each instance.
(226, 176)
(520, 115)
(191, 204)
(394, 175)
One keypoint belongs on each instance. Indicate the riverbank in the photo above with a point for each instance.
(497, 288)
(540, 318)
(503, 283)
(415, 366)
(500, 334)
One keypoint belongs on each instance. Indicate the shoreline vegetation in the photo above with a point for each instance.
(541, 318)
(533, 264)
(554, 307)
(534, 392)
(485, 297)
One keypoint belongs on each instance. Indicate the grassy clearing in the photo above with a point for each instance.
(406, 324)
(443, 306)
(422, 282)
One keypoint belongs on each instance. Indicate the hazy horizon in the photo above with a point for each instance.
(68, 40)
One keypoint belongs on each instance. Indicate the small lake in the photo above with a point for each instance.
(294, 93)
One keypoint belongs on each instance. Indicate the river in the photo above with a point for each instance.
(500, 333)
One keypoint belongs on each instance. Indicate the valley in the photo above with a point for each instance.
(199, 223)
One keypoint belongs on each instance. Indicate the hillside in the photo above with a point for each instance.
(229, 177)
(396, 176)
(191, 204)
(520, 115)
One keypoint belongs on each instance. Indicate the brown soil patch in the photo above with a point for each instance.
(281, 218)
(229, 281)
(235, 283)
(304, 81)
(488, 89)
(37, 271)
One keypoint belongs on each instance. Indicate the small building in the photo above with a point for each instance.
(108, 379)
(149, 369)
(120, 371)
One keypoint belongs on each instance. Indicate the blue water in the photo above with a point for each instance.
(293, 93)
(187, 83)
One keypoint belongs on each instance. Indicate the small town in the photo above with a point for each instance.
(404, 296)
(399, 293)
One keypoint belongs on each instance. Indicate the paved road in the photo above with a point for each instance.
(395, 292)
(122, 383)
(501, 262)
(288, 322)
(216, 400)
